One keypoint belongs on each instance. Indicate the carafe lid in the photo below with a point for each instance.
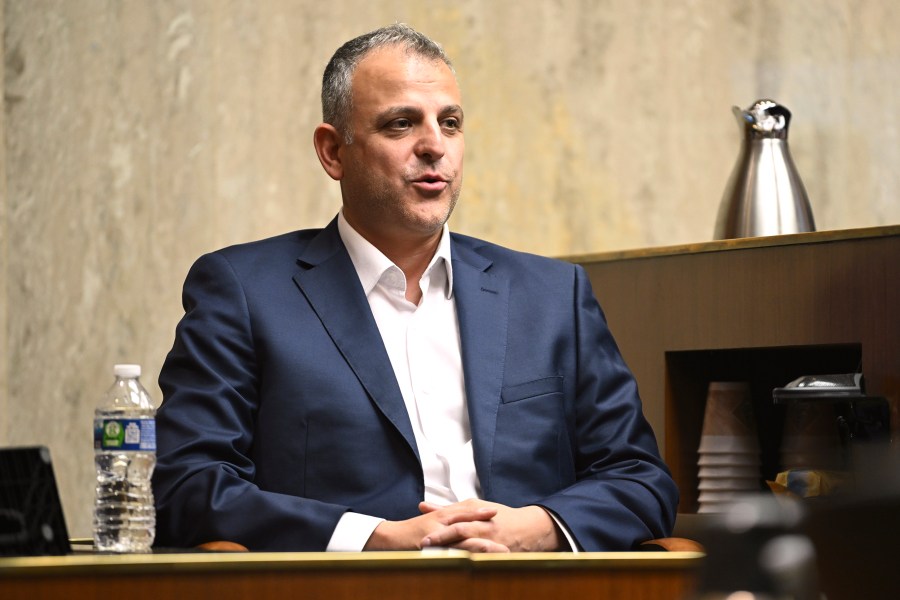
(764, 119)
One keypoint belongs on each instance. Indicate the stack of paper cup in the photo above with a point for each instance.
(811, 439)
(729, 448)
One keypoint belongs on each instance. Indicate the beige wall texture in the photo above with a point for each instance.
(142, 133)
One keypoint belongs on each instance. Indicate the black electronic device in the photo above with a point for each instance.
(858, 416)
(31, 515)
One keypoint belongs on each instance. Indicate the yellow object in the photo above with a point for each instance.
(808, 483)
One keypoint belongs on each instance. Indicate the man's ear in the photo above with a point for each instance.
(328, 142)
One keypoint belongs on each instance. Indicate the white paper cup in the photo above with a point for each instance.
(748, 459)
(721, 496)
(729, 484)
(728, 443)
(729, 472)
(714, 507)
(729, 410)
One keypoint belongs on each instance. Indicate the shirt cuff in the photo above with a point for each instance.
(352, 532)
(573, 547)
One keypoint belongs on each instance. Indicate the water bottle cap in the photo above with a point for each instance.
(128, 371)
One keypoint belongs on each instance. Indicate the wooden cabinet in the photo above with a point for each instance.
(762, 310)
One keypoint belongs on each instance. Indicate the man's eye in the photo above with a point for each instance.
(452, 123)
(400, 124)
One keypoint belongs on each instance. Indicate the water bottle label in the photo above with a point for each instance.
(125, 434)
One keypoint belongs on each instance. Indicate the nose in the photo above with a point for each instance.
(430, 143)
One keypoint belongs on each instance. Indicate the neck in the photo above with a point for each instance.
(413, 259)
(411, 253)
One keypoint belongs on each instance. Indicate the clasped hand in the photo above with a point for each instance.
(472, 525)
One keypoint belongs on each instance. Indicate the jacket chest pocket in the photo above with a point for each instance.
(546, 386)
(532, 455)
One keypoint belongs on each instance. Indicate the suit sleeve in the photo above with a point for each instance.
(624, 493)
(204, 479)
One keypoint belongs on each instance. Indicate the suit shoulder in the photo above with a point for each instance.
(253, 259)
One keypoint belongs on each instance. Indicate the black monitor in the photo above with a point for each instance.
(31, 515)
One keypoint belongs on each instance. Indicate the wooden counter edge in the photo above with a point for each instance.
(815, 237)
(300, 561)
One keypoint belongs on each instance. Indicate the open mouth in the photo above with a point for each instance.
(430, 183)
(430, 178)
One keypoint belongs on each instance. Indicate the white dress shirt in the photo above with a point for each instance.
(422, 342)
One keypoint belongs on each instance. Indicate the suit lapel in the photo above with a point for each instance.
(482, 305)
(331, 285)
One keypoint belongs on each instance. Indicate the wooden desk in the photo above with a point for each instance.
(436, 575)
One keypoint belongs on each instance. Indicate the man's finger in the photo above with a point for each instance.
(456, 533)
(427, 507)
(458, 513)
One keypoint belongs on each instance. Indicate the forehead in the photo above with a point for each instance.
(393, 74)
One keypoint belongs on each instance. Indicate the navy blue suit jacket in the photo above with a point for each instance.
(281, 410)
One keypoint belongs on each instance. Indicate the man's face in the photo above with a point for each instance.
(402, 173)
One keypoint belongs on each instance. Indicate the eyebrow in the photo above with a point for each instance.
(398, 111)
(452, 109)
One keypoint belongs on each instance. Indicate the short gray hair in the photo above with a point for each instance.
(337, 80)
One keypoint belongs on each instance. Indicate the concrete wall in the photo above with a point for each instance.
(5, 348)
(141, 133)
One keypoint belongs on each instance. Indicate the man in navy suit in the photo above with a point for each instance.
(384, 384)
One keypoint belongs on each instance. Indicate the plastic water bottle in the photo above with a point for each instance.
(124, 457)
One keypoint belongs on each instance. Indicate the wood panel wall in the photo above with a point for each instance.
(763, 310)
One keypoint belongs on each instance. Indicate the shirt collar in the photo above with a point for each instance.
(371, 264)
